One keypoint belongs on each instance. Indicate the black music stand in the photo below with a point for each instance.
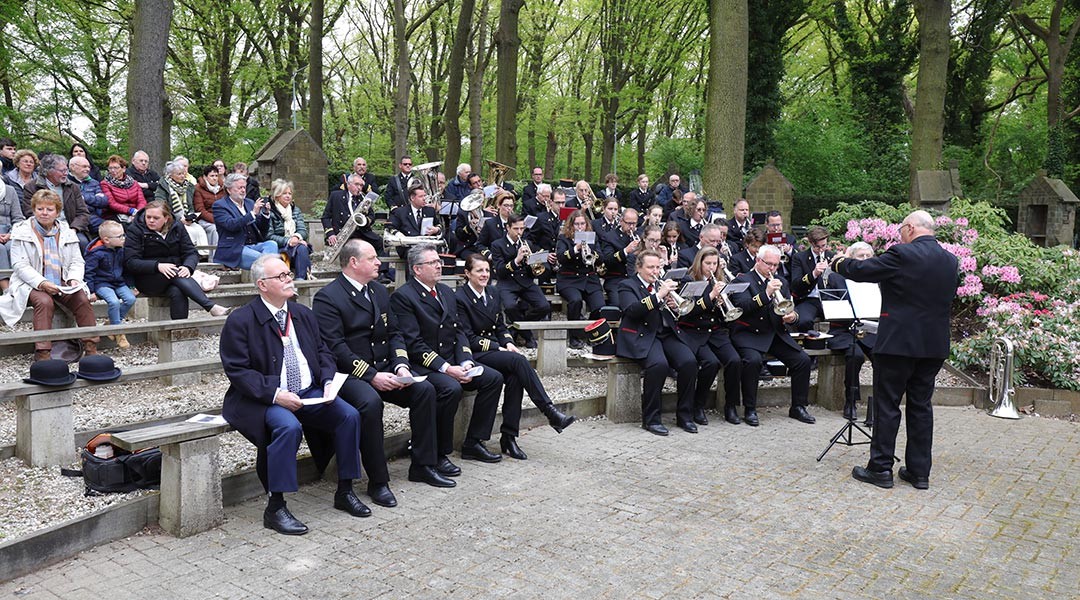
(846, 433)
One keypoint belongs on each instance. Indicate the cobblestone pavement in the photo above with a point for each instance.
(610, 511)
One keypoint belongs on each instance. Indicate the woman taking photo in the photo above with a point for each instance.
(704, 331)
(481, 321)
(161, 258)
(576, 280)
(288, 229)
(47, 268)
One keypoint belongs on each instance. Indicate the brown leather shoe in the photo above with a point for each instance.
(89, 347)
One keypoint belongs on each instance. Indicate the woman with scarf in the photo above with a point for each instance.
(209, 190)
(177, 190)
(288, 228)
(125, 197)
(47, 268)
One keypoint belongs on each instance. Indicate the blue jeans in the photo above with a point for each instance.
(254, 251)
(119, 299)
(300, 256)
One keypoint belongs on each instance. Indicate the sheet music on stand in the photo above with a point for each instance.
(529, 221)
(589, 237)
(862, 300)
(694, 289)
(448, 208)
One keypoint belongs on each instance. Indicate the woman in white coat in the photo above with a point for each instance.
(47, 268)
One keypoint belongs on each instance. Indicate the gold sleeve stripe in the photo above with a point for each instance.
(359, 368)
(428, 358)
(701, 302)
(485, 345)
(647, 301)
(757, 299)
(401, 353)
(466, 349)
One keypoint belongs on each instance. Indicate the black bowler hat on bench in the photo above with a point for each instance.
(98, 367)
(50, 372)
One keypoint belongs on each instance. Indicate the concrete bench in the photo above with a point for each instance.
(190, 499)
(235, 294)
(551, 343)
(44, 426)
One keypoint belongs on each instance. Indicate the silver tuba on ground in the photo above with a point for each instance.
(1001, 373)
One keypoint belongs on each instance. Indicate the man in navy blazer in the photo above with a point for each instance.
(409, 219)
(648, 334)
(242, 225)
(274, 357)
(808, 270)
(760, 330)
(360, 329)
(918, 280)
(426, 312)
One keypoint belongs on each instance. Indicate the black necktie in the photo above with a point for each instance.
(419, 218)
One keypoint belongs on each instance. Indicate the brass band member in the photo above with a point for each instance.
(518, 290)
(577, 280)
(761, 330)
(745, 260)
(481, 320)
(409, 219)
(709, 238)
(618, 250)
(339, 209)
(704, 332)
(608, 221)
(648, 334)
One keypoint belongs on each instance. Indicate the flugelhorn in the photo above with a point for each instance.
(731, 312)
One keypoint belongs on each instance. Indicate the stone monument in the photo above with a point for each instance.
(293, 155)
(769, 190)
(1047, 211)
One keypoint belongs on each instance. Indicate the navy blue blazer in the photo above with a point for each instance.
(758, 324)
(429, 326)
(362, 334)
(918, 283)
(235, 229)
(484, 325)
(643, 317)
(252, 355)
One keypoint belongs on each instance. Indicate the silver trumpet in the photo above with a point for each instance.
(781, 305)
(682, 305)
(588, 256)
(727, 307)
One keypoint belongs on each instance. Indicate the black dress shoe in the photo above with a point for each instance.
(919, 483)
(510, 448)
(799, 413)
(882, 479)
(699, 417)
(576, 344)
(447, 468)
(477, 451)
(557, 419)
(428, 475)
(731, 415)
(380, 494)
(655, 429)
(282, 521)
(687, 426)
(348, 502)
(751, 417)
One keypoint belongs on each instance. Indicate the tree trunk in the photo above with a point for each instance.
(552, 145)
(315, 74)
(454, 84)
(588, 149)
(404, 80)
(507, 44)
(608, 134)
(929, 122)
(725, 111)
(146, 101)
(643, 123)
(476, 94)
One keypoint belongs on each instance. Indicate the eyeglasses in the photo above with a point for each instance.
(117, 237)
(634, 222)
(436, 261)
(771, 264)
(408, 164)
(282, 277)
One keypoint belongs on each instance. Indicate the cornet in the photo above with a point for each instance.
(588, 256)
(781, 305)
(682, 305)
(731, 312)
(537, 268)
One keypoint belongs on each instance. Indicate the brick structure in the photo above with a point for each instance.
(770, 190)
(294, 155)
(1047, 211)
(934, 189)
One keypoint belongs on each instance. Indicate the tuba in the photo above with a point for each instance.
(1001, 373)
(427, 177)
(473, 207)
(497, 172)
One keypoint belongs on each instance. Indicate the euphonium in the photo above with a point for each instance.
(473, 206)
(781, 305)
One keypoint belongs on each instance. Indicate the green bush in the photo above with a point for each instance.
(892, 210)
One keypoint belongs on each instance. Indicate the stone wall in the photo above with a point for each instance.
(769, 190)
(1047, 211)
(293, 155)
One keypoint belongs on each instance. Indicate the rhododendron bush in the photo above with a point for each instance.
(1006, 286)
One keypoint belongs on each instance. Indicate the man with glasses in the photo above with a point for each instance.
(426, 313)
(97, 203)
(53, 175)
(709, 238)
(774, 228)
(397, 189)
(918, 280)
(530, 200)
(275, 359)
(360, 329)
(144, 176)
(761, 331)
(617, 251)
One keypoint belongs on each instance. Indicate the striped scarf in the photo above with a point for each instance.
(50, 245)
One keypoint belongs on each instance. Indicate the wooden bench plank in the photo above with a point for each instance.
(67, 333)
(172, 433)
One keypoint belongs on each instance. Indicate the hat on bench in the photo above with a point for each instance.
(601, 340)
(50, 372)
(98, 367)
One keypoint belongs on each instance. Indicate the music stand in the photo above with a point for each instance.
(837, 305)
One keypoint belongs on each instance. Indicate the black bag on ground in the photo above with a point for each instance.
(122, 472)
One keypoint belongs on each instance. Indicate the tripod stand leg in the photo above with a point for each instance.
(845, 433)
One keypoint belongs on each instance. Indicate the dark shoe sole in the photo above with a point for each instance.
(881, 483)
(918, 484)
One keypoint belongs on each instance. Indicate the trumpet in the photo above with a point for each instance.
(588, 256)
(781, 305)
(682, 305)
(727, 307)
(537, 268)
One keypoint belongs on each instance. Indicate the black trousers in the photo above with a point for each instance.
(611, 288)
(488, 388)
(518, 377)
(666, 353)
(524, 304)
(419, 398)
(579, 295)
(853, 363)
(708, 366)
(797, 362)
(895, 376)
(731, 363)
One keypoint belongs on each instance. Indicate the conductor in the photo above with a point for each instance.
(918, 280)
